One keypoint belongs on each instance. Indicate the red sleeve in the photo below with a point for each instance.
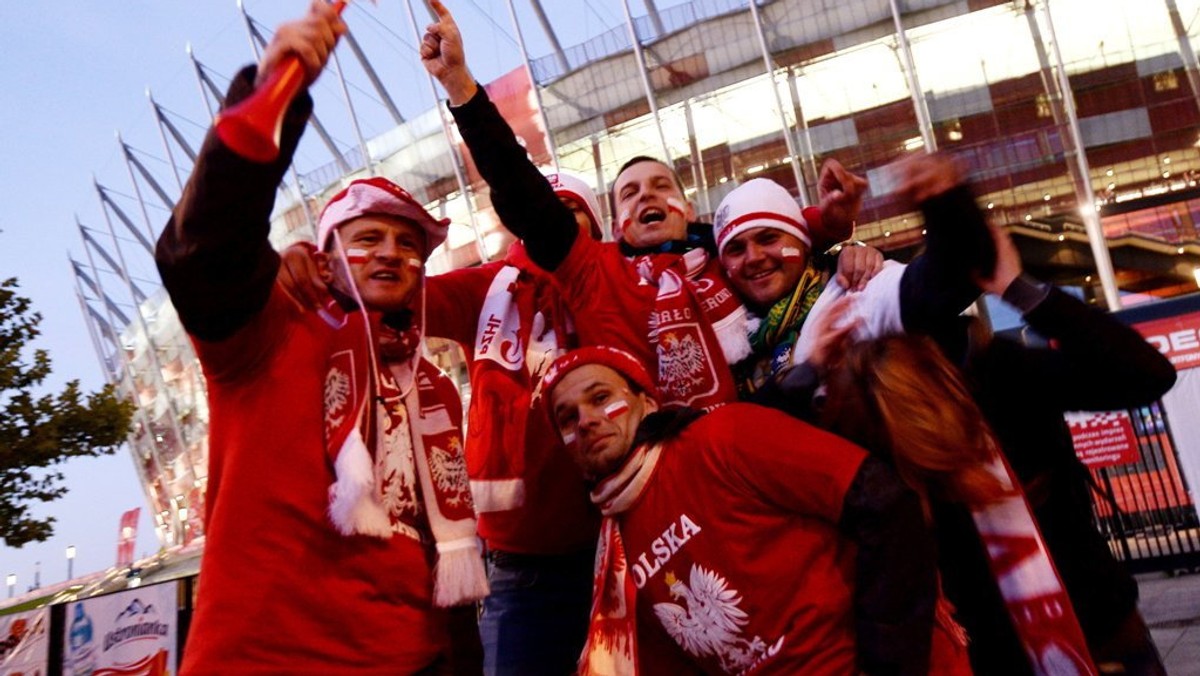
(608, 300)
(453, 301)
(251, 346)
(792, 464)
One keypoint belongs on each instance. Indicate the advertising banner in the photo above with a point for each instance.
(24, 643)
(1103, 439)
(1176, 337)
(130, 633)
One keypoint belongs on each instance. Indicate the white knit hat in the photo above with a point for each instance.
(566, 185)
(379, 196)
(759, 203)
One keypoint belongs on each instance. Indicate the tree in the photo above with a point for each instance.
(38, 434)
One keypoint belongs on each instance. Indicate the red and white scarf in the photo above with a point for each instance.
(611, 647)
(511, 354)
(399, 464)
(1037, 602)
(695, 313)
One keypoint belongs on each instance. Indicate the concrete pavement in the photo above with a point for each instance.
(1171, 606)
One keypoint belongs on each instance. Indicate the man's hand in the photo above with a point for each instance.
(443, 56)
(925, 176)
(857, 265)
(840, 194)
(833, 331)
(300, 274)
(1008, 263)
(310, 39)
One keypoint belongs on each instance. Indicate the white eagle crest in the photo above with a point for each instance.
(709, 624)
(449, 473)
(681, 363)
(395, 466)
(337, 393)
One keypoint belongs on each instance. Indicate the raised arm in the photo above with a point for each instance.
(940, 283)
(214, 256)
(1099, 363)
(524, 200)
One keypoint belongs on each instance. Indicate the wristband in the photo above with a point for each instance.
(1025, 293)
(837, 248)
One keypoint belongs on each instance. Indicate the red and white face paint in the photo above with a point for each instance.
(624, 223)
(356, 256)
(568, 438)
(414, 263)
(791, 253)
(676, 205)
(616, 409)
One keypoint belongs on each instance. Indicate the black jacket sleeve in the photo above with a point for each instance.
(1099, 364)
(214, 256)
(794, 391)
(937, 285)
(524, 200)
(895, 580)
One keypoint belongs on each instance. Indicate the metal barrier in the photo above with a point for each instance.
(1144, 508)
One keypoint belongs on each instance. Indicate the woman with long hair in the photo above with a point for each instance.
(898, 397)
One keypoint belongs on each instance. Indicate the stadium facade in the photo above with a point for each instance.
(1079, 119)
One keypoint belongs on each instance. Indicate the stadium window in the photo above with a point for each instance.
(1044, 107)
(1166, 81)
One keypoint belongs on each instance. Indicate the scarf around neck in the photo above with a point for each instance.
(698, 328)
(776, 332)
(611, 647)
(396, 450)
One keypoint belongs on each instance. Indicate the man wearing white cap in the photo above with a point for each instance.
(764, 242)
(339, 522)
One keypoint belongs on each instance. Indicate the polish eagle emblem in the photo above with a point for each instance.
(709, 621)
(681, 363)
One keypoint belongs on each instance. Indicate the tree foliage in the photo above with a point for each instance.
(39, 433)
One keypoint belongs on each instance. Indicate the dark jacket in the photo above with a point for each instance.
(1099, 364)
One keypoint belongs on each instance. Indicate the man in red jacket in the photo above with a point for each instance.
(738, 539)
(339, 521)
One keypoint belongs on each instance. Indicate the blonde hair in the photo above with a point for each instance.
(899, 397)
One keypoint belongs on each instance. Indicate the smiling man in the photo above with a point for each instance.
(764, 240)
(338, 518)
(739, 539)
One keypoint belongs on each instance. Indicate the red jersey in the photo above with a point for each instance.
(280, 590)
(735, 551)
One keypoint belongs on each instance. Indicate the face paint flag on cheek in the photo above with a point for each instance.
(677, 206)
(790, 253)
(414, 263)
(616, 408)
(356, 256)
(626, 221)
(568, 438)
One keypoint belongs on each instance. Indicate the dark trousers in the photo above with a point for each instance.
(535, 621)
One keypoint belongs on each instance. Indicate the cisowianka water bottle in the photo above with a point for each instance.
(81, 658)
